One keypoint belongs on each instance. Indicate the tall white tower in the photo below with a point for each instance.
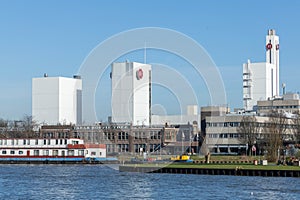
(57, 100)
(272, 57)
(131, 93)
(261, 80)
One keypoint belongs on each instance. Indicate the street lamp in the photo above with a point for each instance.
(182, 138)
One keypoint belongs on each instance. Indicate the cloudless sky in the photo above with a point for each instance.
(55, 37)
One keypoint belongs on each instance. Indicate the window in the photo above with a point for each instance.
(93, 153)
(48, 141)
(46, 152)
(56, 141)
(12, 152)
(21, 152)
(36, 142)
(71, 153)
(61, 141)
(55, 152)
(45, 142)
(28, 142)
(81, 152)
(3, 152)
(36, 152)
(24, 142)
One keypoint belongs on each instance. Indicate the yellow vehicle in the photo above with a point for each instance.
(182, 158)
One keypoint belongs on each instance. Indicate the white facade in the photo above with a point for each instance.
(131, 93)
(174, 119)
(191, 116)
(261, 80)
(272, 56)
(258, 83)
(57, 100)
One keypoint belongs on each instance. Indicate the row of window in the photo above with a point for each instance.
(100, 127)
(223, 124)
(224, 135)
(277, 107)
(45, 152)
(107, 135)
(125, 147)
(33, 142)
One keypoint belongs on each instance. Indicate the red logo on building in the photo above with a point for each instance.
(139, 74)
(269, 46)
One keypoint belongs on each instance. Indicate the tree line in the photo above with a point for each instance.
(271, 137)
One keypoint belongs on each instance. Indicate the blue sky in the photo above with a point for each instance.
(55, 37)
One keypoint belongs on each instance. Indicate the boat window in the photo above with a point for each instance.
(24, 142)
(55, 152)
(61, 141)
(3, 152)
(46, 152)
(28, 142)
(80, 152)
(5, 142)
(20, 152)
(56, 141)
(74, 142)
(48, 141)
(36, 152)
(44, 142)
(12, 152)
(93, 153)
(36, 142)
(65, 141)
(71, 153)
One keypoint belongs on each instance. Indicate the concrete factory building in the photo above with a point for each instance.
(261, 80)
(57, 100)
(131, 93)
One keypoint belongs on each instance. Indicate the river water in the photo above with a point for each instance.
(104, 182)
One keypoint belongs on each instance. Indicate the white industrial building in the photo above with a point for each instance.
(192, 115)
(131, 93)
(57, 100)
(261, 80)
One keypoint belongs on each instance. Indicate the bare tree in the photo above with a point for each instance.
(3, 123)
(275, 134)
(248, 131)
(29, 126)
(296, 128)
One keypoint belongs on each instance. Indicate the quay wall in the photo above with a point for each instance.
(209, 171)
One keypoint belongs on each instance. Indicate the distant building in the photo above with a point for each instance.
(57, 100)
(288, 103)
(124, 138)
(190, 117)
(261, 80)
(210, 111)
(131, 93)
